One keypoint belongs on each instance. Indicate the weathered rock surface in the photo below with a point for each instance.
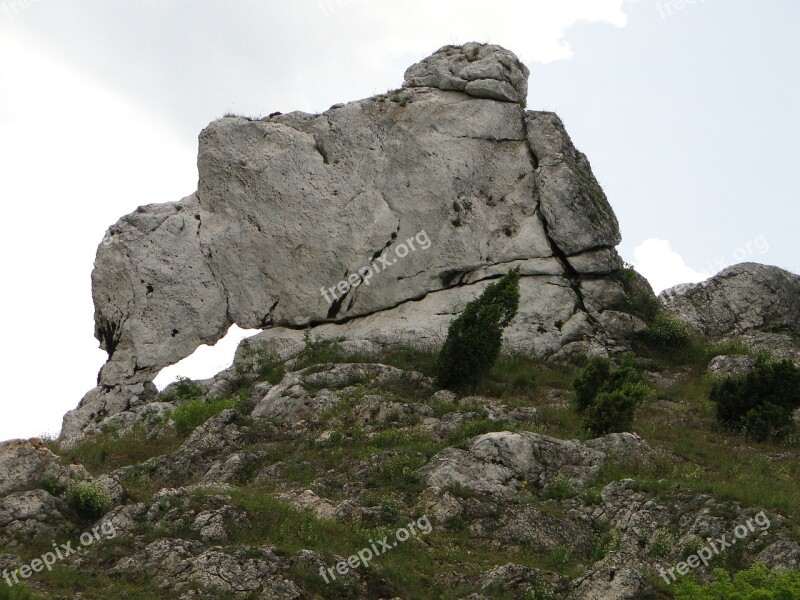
(729, 366)
(500, 463)
(32, 514)
(748, 298)
(25, 465)
(480, 70)
(28, 467)
(450, 170)
(180, 564)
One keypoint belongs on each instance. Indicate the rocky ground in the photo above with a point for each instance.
(309, 462)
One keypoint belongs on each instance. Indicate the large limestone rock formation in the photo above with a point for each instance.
(417, 198)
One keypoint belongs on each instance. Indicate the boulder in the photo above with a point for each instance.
(480, 70)
(25, 465)
(28, 465)
(32, 514)
(748, 298)
(499, 463)
(730, 366)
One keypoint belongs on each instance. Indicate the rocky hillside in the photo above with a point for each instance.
(255, 483)
(326, 463)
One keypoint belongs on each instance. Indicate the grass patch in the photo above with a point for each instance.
(110, 450)
(65, 581)
(190, 414)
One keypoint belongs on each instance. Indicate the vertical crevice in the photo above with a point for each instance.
(572, 276)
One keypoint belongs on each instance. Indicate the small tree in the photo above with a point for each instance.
(607, 398)
(475, 338)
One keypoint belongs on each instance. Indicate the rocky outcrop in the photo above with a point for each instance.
(30, 465)
(748, 298)
(501, 463)
(730, 366)
(479, 70)
(413, 200)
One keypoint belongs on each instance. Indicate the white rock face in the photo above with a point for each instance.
(416, 198)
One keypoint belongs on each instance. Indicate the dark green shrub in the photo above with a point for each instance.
(89, 500)
(192, 413)
(474, 339)
(759, 403)
(52, 485)
(614, 411)
(608, 397)
(590, 381)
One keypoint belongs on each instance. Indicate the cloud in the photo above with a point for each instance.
(662, 266)
(256, 57)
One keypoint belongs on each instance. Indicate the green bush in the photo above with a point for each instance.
(756, 583)
(474, 339)
(759, 403)
(192, 413)
(89, 500)
(185, 389)
(667, 332)
(614, 411)
(607, 398)
(590, 381)
(52, 485)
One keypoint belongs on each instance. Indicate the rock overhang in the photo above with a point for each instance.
(290, 204)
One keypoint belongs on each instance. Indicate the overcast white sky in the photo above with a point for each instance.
(687, 110)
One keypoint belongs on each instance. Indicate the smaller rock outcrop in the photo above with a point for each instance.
(500, 463)
(479, 70)
(743, 299)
